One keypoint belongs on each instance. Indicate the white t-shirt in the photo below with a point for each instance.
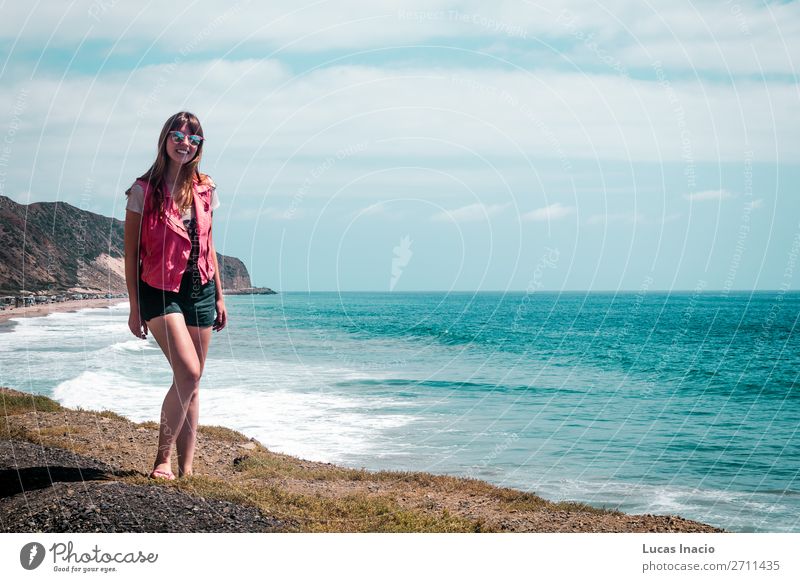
(136, 202)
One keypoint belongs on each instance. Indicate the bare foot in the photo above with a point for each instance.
(162, 471)
(186, 473)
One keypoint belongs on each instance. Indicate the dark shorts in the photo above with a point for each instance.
(196, 301)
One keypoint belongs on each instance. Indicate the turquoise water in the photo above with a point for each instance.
(682, 403)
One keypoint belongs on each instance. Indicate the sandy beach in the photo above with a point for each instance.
(48, 308)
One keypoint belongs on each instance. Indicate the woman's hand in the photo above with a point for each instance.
(222, 315)
(137, 325)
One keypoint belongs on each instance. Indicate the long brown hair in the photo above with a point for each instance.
(184, 193)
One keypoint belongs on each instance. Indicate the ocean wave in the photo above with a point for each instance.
(729, 509)
(134, 345)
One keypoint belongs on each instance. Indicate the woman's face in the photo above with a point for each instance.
(182, 152)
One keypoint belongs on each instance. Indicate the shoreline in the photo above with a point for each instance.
(437, 502)
(300, 495)
(45, 309)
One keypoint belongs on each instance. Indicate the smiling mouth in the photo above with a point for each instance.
(184, 152)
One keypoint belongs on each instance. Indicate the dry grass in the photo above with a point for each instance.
(10, 431)
(107, 414)
(219, 432)
(266, 465)
(13, 402)
(359, 512)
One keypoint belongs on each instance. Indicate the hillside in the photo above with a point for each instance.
(55, 247)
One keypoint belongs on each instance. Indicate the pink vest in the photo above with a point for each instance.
(164, 245)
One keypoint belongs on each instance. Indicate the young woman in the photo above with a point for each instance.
(173, 278)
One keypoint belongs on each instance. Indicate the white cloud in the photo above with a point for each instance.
(708, 195)
(724, 37)
(448, 132)
(269, 127)
(257, 110)
(267, 213)
(741, 37)
(616, 217)
(278, 24)
(552, 212)
(470, 213)
(379, 210)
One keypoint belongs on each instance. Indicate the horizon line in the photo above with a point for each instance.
(541, 291)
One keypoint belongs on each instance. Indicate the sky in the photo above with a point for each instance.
(432, 146)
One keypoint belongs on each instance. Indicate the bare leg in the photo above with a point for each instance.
(187, 437)
(173, 337)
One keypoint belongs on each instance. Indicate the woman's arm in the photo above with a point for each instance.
(133, 221)
(222, 313)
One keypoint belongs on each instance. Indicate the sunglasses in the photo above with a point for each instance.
(179, 136)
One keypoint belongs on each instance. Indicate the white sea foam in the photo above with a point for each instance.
(315, 425)
(109, 390)
(293, 408)
(89, 320)
(134, 345)
(706, 505)
(290, 407)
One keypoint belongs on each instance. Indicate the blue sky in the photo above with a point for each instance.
(402, 146)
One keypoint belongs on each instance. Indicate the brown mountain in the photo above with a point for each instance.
(56, 247)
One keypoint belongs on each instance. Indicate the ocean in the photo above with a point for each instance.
(648, 402)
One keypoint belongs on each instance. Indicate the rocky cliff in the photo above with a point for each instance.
(233, 272)
(55, 247)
